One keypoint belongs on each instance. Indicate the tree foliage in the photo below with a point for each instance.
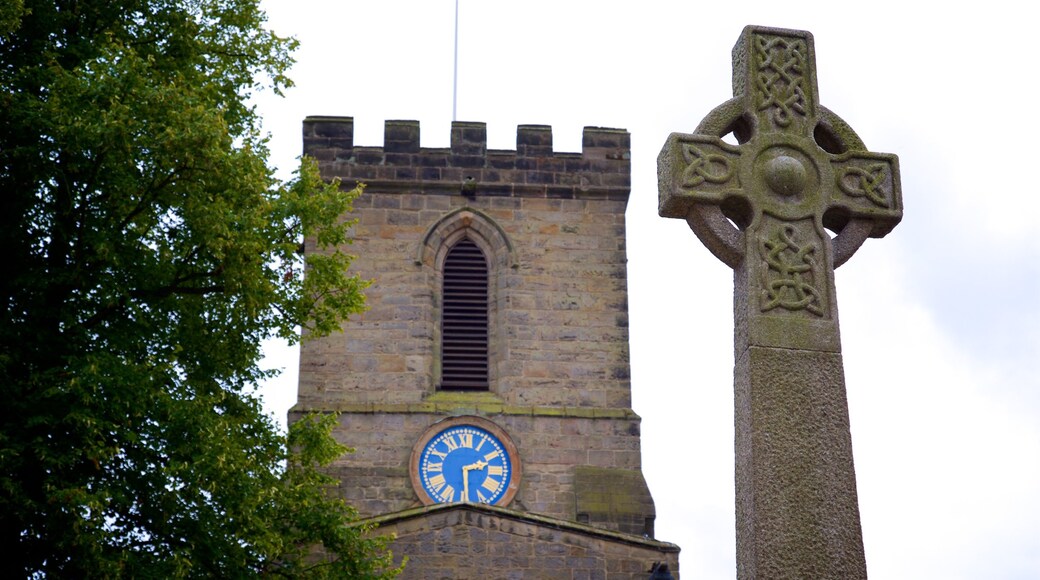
(148, 252)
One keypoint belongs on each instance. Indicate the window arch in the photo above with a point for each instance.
(477, 230)
(464, 318)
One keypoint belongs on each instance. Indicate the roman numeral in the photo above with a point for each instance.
(491, 455)
(450, 442)
(466, 440)
(437, 467)
(448, 494)
(437, 482)
(495, 470)
(491, 484)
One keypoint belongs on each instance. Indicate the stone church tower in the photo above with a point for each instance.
(486, 390)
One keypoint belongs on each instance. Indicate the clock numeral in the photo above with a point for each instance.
(438, 467)
(495, 470)
(491, 455)
(481, 444)
(450, 442)
(448, 494)
(481, 497)
(438, 454)
(466, 440)
(437, 482)
(491, 484)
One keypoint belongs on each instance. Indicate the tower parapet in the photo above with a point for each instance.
(602, 170)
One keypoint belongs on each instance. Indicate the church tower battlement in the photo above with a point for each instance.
(601, 170)
(492, 366)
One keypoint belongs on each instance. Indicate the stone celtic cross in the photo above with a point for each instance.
(764, 207)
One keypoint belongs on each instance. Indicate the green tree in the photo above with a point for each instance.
(148, 250)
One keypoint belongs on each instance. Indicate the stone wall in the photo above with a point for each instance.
(552, 448)
(553, 227)
(474, 541)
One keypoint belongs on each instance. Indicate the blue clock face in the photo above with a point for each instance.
(465, 463)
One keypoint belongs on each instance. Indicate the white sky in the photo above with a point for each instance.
(940, 320)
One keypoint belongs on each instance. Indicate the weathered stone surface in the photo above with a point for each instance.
(560, 305)
(553, 227)
(600, 171)
(559, 310)
(553, 443)
(478, 541)
(798, 171)
(615, 499)
(797, 510)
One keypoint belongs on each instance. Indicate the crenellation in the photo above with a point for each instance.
(533, 140)
(469, 138)
(401, 137)
(602, 170)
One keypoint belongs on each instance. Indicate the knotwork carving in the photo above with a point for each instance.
(780, 65)
(790, 278)
(701, 167)
(860, 182)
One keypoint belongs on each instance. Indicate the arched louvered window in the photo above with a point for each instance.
(464, 322)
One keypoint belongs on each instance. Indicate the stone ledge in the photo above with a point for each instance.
(381, 179)
(454, 406)
(526, 517)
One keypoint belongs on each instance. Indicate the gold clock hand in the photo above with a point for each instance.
(480, 464)
(465, 482)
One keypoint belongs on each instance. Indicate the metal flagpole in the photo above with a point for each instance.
(455, 79)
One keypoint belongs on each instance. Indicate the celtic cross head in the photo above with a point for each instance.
(765, 205)
(796, 160)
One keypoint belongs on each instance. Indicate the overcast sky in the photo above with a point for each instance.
(940, 320)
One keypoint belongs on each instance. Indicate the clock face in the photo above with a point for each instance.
(463, 460)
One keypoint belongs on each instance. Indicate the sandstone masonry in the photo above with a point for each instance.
(552, 226)
(479, 541)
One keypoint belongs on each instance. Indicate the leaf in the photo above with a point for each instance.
(149, 252)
